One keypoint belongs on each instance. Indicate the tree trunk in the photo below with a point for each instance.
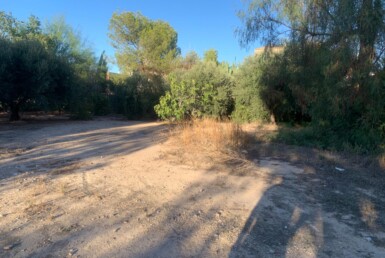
(369, 23)
(15, 108)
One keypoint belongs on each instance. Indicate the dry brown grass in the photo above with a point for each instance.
(381, 161)
(207, 143)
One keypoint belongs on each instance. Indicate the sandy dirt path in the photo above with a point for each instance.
(106, 189)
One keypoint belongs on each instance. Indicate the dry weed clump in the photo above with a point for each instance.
(208, 142)
(381, 160)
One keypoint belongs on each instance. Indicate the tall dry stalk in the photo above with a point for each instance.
(207, 142)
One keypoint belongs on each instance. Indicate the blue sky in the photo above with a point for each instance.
(201, 24)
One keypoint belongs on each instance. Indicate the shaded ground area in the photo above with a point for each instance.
(107, 189)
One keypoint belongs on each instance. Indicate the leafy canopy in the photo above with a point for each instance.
(203, 91)
(143, 45)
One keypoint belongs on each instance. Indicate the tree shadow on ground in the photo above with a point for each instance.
(311, 214)
(307, 210)
(45, 146)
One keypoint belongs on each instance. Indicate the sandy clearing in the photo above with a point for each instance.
(104, 189)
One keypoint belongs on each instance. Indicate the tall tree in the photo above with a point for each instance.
(211, 55)
(25, 73)
(143, 45)
(40, 65)
(332, 68)
(68, 43)
(359, 24)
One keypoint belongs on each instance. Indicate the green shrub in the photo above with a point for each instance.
(249, 105)
(203, 91)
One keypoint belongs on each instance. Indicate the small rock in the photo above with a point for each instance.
(244, 151)
(340, 169)
(346, 217)
(116, 230)
(8, 247)
(271, 251)
(368, 238)
(72, 251)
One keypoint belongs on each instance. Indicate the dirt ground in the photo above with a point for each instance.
(106, 188)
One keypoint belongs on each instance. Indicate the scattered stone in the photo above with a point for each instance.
(368, 238)
(8, 247)
(340, 169)
(116, 230)
(72, 251)
(346, 217)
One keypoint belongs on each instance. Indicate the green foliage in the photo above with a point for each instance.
(29, 74)
(211, 55)
(143, 45)
(13, 29)
(249, 105)
(68, 43)
(330, 72)
(188, 61)
(203, 91)
(135, 96)
(48, 68)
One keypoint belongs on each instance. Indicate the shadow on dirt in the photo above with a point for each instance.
(311, 214)
(307, 210)
(45, 146)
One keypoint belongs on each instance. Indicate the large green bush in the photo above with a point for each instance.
(249, 105)
(203, 91)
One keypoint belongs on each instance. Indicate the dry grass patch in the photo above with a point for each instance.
(381, 161)
(208, 143)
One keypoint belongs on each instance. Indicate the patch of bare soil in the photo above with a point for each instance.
(107, 189)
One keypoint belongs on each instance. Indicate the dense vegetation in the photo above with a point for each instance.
(331, 73)
(329, 77)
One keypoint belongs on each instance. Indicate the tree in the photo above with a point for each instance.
(13, 29)
(203, 91)
(68, 44)
(211, 55)
(143, 45)
(190, 60)
(25, 69)
(357, 24)
(248, 90)
(42, 67)
(332, 62)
